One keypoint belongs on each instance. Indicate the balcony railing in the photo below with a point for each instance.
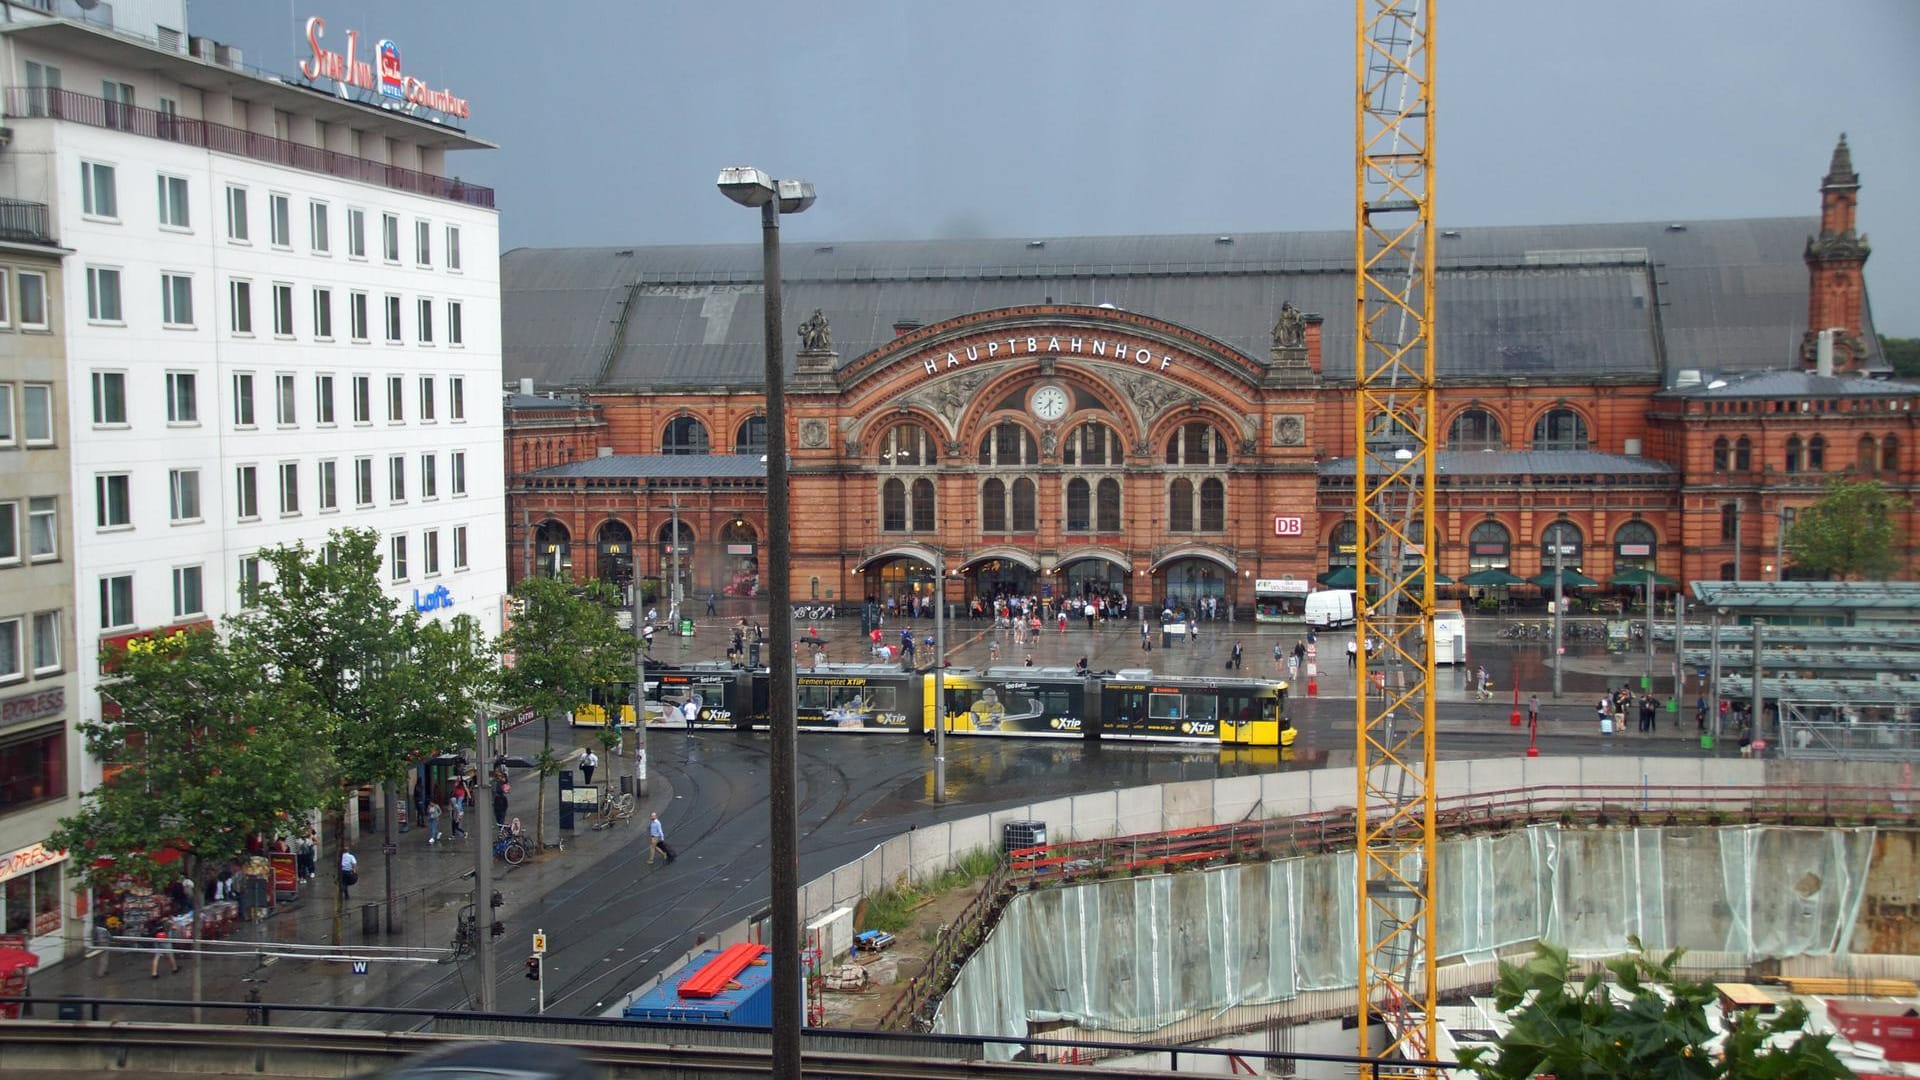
(32, 101)
(24, 222)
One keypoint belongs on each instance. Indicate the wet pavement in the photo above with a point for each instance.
(613, 920)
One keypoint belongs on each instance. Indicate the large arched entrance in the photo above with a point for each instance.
(739, 570)
(614, 544)
(1189, 578)
(1093, 574)
(900, 585)
(990, 577)
(553, 550)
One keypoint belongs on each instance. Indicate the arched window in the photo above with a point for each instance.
(1342, 545)
(906, 445)
(1023, 505)
(615, 542)
(893, 506)
(1180, 505)
(1198, 443)
(1092, 443)
(1817, 454)
(1793, 453)
(923, 505)
(1867, 456)
(1564, 536)
(752, 436)
(1474, 429)
(1079, 505)
(1107, 506)
(684, 435)
(1213, 505)
(1722, 455)
(1743, 454)
(993, 505)
(1007, 443)
(1489, 547)
(1560, 429)
(1634, 545)
(1890, 454)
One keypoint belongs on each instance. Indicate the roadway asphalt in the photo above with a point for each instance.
(613, 920)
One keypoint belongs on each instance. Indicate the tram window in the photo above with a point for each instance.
(1055, 703)
(813, 697)
(1165, 707)
(1203, 707)
(1237, 708)
(881, 698)
(1126, 706)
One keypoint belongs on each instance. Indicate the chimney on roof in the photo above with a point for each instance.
(1313, 341)
(1823, 353)
(526, 387)
(903, 327)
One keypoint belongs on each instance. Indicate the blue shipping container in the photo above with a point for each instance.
(751, 1005)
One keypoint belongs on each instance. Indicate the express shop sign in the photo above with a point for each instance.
(378, 72)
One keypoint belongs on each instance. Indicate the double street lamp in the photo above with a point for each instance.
(752, 187)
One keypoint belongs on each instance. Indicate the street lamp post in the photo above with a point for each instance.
(752, 187)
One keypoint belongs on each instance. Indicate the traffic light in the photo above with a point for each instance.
(533, 968)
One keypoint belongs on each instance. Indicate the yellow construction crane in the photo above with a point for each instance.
(1394, 445)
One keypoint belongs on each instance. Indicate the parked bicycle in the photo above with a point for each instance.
(618, 809)
(510, 843)
(813, 611)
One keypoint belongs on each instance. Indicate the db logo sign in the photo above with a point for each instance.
(1286, 526)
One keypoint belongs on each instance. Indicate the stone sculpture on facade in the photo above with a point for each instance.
(815, 334)
(1290, 332)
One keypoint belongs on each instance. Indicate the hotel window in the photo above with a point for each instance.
(328, 485)
(362, 399)
(173, 202)
(459, 547)
(6, 313)
(317, 228)
(423, 243)
(289, 488)
(46, 642)
(429, 476)
(240, 305)
(183, 405)
(13, 663)
(430, 553)
(98, 197)
(282, 310)
(237, 214)
(357, 315)
(456, 397)
(187, 598)
(243, 399)
(323, 314)
(33, 300)
(453, 247)
(119, 103)
(38, 402)
(397, 560)
(456, 330)
(393, 320)
(6, 414)
(249, 580)
(9, 532)
(427, 403)
(176, 299)
(457, 466)
(183, 495)
(356, 233)
(279, 221)
(424, 325)
(363, 482)
(112, 507)
(103, 294)
(390, 237)
(397, 478)
(285, 412)
(396, 399)
(323, 400)
(43, 528)
(116, 601)
(246, 492)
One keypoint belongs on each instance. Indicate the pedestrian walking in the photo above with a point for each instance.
(1353, 654)
(499, 804)
(588, 764)
(1605, 709)
(162, 947)
(433, 822)
(713, 604)
(349, 872)
(1236, 661)
(1146, 640)
(457, 809)
(690, 712)
(1533, 709)
(657, 839)
(304, 855)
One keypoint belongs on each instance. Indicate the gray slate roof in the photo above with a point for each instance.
(659, 466)
(1526, 463)
(542, 401)
(1574, 301)
(1794, 384)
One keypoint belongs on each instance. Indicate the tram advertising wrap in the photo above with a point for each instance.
(992, 704)
(722, 697)
(1244, 712)
(856, 701)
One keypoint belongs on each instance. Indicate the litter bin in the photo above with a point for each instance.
(369, 920)
(626, 783)
(70, 1007)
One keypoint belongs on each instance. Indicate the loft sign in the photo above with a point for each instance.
(1118, 351)
(379, 73)
(434, 600)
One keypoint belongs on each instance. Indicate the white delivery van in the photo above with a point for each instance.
(1449, 634)
(1329, 608)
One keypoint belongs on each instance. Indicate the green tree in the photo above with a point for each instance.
(1853, 531)
(1577, 1031)
(566, 642)
(388, 687)
(201, 754)
(1903, 354)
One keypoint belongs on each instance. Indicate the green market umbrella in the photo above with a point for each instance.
(1484, 579)
(1570, 579)
(1636, 578)
(1340, 578)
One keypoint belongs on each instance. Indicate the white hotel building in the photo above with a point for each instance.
(281, 317)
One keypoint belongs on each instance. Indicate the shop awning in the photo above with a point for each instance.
(1487, 579)
(1636, 578)
(1345, 576)
(1569, 579)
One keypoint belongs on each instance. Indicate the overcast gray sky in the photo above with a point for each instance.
(1041, 118)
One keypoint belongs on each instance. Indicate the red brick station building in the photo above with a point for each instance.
(1136, 414)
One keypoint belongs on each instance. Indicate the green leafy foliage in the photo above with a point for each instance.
(1579, 1031)
(1853, 531)
(1903, 354)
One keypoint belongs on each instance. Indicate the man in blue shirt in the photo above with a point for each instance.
(657, 839)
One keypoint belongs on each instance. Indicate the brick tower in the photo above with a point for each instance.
(1835, 261)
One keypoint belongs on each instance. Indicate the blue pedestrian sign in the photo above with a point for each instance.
(359, 967)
